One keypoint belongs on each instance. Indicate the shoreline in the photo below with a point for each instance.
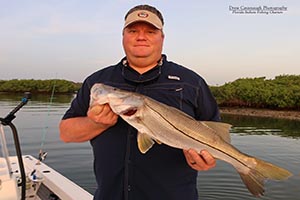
(280, 114)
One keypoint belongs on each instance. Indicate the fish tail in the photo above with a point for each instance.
(255, 178)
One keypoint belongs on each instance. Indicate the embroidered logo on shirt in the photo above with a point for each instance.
(174, 77)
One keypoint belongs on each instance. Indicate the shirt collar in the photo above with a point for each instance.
(132, 75)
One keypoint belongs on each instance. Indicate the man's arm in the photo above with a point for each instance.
(81, 129)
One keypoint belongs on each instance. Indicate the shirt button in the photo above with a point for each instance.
(129, 188)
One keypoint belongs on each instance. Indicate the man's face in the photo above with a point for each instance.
(142, 40)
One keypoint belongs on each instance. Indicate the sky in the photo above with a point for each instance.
(220, 40)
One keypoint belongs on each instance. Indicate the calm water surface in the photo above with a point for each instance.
(273, 140)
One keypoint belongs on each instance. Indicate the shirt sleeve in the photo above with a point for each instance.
(207, 108)
(80, 103)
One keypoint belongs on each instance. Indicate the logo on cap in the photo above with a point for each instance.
(143, 14)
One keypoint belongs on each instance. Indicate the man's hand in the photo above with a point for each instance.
(102, 114)
(81, 129)
(200, 162)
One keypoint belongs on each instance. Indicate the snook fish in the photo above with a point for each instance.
(159, 123)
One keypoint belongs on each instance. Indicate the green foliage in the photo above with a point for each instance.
(283, 92)
(38, 86)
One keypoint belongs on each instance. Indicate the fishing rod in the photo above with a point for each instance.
(7, 121)
(42, 154)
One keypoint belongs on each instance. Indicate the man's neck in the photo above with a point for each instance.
(142, 65)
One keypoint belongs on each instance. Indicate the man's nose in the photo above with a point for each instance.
(141, 35)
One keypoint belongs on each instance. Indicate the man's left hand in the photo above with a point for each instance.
(200, 162)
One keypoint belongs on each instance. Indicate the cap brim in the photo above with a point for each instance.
(143, 16)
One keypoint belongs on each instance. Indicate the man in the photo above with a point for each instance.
(122, 172)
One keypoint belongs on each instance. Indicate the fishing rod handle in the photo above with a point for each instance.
(11, 115)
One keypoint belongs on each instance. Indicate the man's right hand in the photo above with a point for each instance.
(81, 129)
(102, 114)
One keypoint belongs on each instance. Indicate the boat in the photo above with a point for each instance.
(24, 177)
(42, 182)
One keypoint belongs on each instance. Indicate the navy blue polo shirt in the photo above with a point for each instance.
(122, 172)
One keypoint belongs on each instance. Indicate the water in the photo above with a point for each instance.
(273, 140)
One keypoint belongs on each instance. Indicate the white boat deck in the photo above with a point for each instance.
(52, 184)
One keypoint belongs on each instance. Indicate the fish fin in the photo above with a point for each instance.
(144, 142)
(255, 178)
(158, 142)
(254, 182)
(222, 129)
(271, 171)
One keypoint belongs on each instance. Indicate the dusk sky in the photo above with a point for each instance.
(220, 40)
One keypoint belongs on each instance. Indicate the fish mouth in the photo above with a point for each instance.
(129, 112)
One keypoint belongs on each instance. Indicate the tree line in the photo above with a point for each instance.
(282, 92)
(38, 86)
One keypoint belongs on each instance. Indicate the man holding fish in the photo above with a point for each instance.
(122, 171)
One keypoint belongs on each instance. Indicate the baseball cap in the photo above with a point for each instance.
(143, 16)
